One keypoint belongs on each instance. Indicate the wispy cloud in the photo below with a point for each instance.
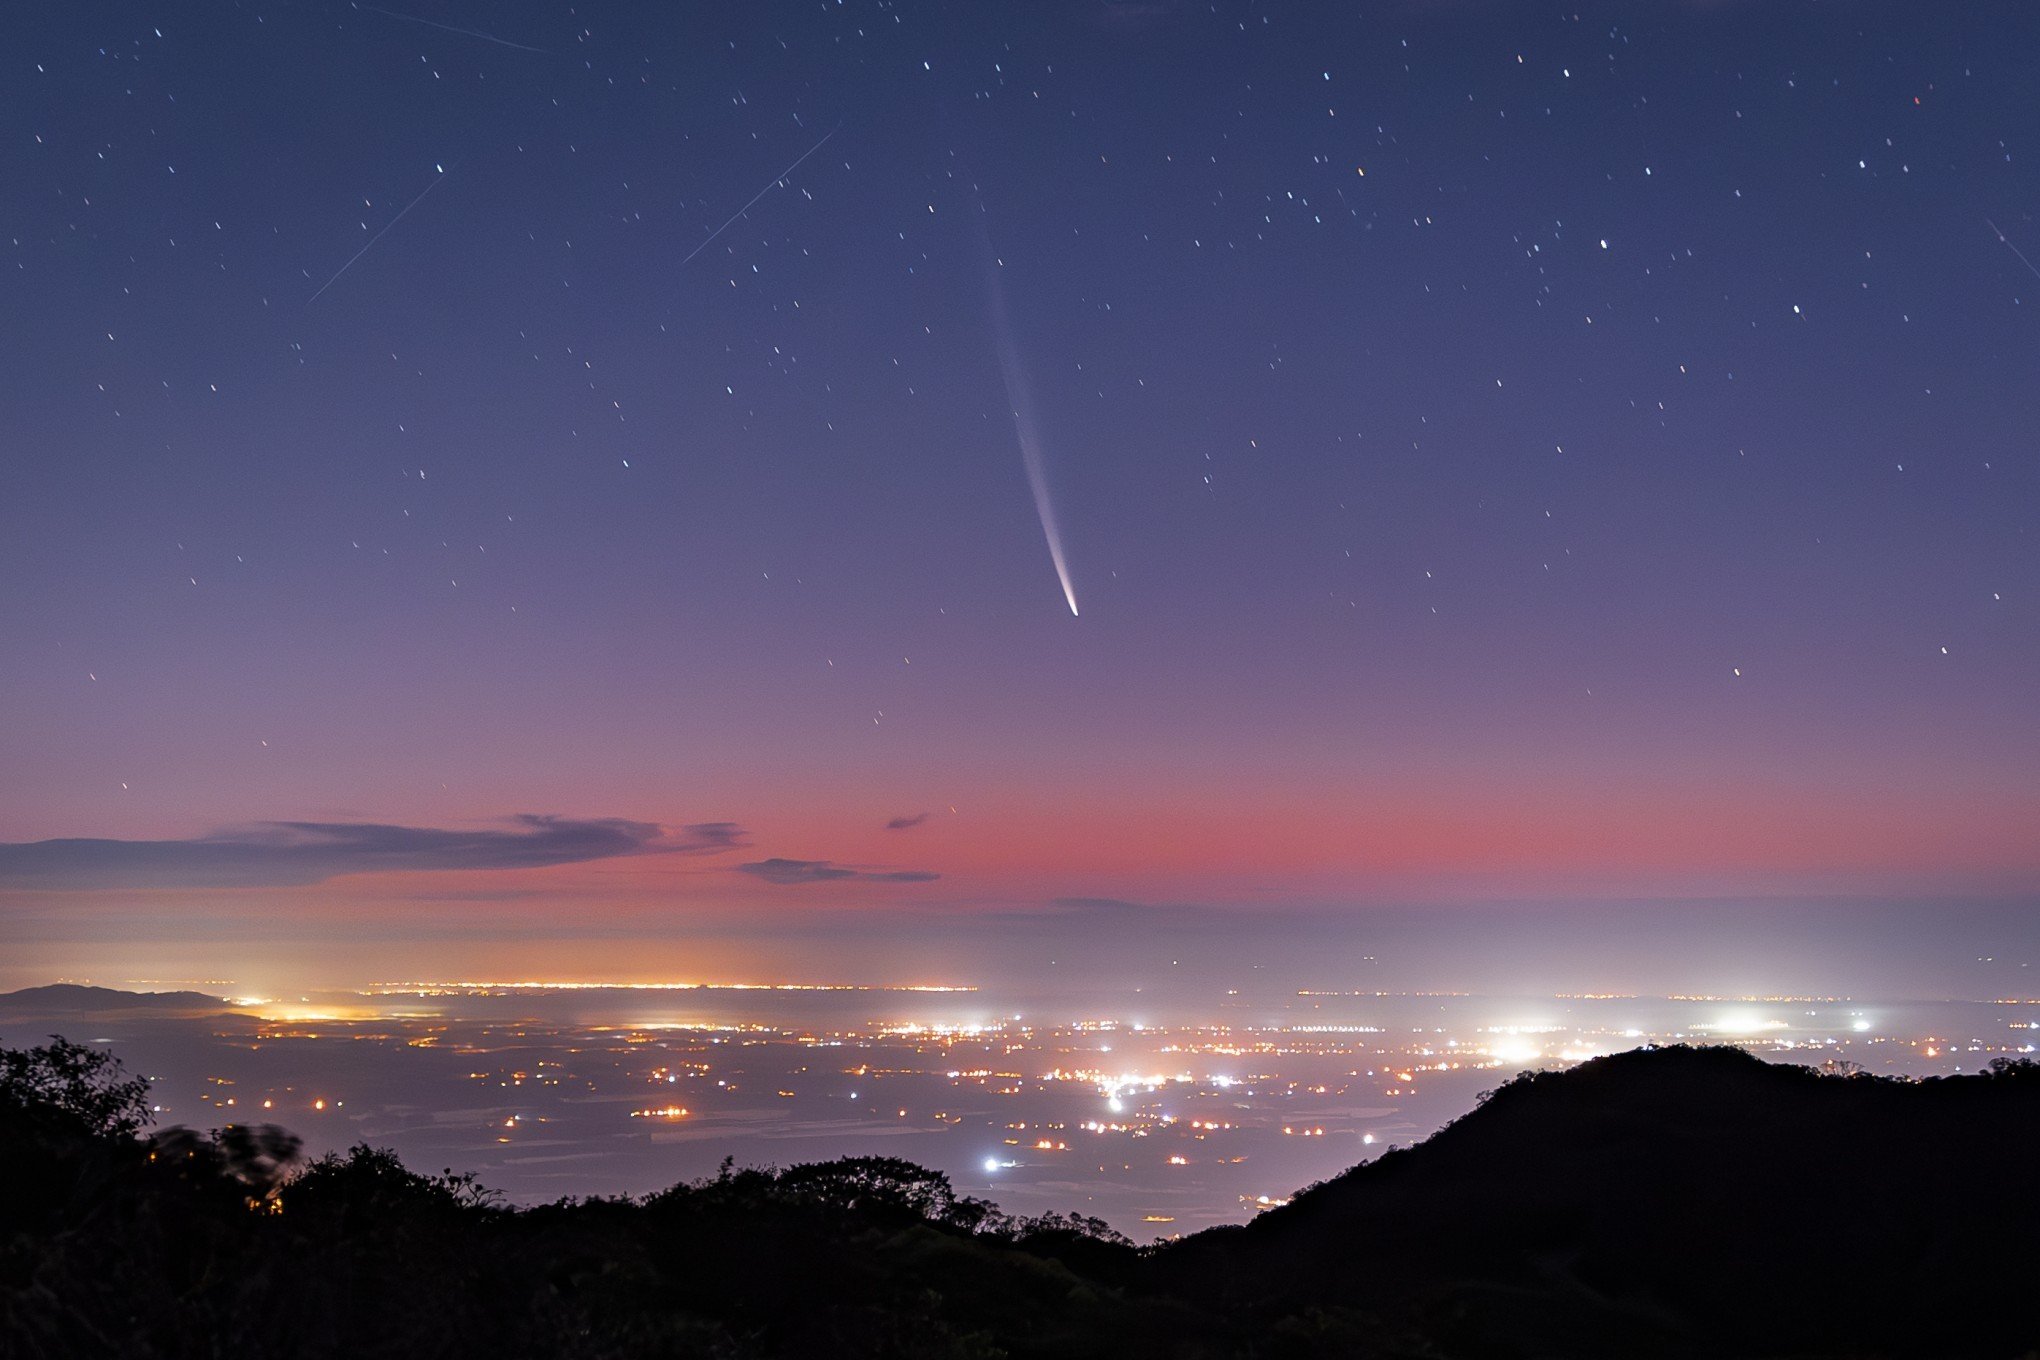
(291, 854)
(786, 871)
(1095, 912)
(906, 823)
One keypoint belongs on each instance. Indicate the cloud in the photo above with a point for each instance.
(1116, 914)
(785, 871)
(708, 838)
(906, 823)
(1117, 906)
(1099, 911)
(292, 854)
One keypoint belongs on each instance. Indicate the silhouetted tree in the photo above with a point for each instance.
(863, 1183)
(75, 1082)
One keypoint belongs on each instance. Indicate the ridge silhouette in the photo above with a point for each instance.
(1675, 1200)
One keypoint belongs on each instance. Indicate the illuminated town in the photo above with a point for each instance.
(1159, 1126)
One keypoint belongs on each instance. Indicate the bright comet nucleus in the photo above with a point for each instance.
(1021, 399)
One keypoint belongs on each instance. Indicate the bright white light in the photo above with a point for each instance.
(991, 1164)
(1742, 1022)
(1860, 1026)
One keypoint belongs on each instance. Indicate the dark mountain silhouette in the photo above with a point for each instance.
(1675, 1202)
(65, 997)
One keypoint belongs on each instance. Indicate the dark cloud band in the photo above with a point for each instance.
(788, 871)
(291, 854)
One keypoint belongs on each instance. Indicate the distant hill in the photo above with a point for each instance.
(1673, 1201)
(66, 997)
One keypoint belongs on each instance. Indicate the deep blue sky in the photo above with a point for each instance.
(1502, 452)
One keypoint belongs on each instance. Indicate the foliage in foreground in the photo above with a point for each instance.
(1676, 1202)
(186, 1244)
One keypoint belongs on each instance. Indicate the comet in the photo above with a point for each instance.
(1022, 402)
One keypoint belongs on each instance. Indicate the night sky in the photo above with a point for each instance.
(572, 491)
